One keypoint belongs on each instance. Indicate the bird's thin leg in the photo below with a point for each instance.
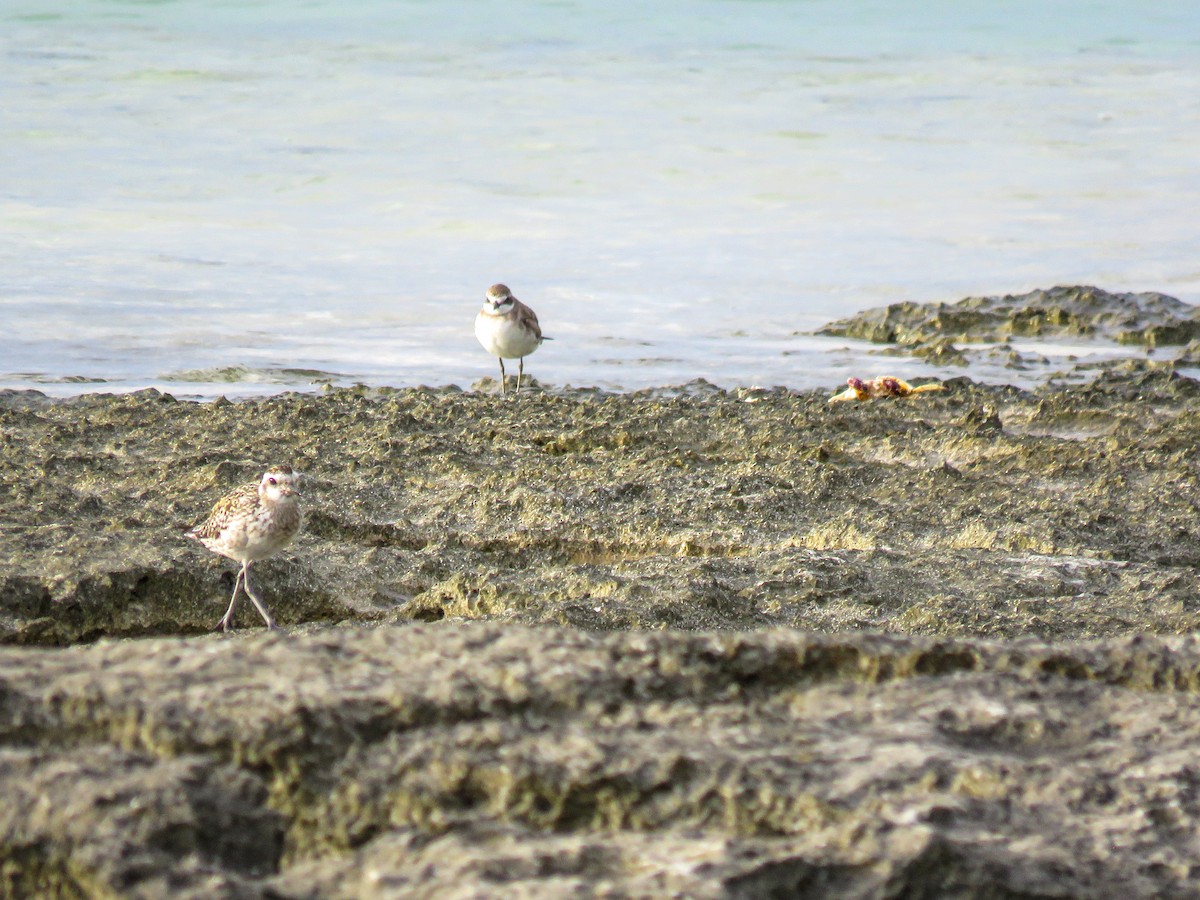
(226, 622)
(520, 372)
(262, 607)
(502, 375)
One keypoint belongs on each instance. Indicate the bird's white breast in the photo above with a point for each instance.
(503, 336)
(262, 533)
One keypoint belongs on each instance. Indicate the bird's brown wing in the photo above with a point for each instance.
(236, 503)
(527, 318)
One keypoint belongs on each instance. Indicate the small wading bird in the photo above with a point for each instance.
(884, 386)
(251, 523)
(508, 329)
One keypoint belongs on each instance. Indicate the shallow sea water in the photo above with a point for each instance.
(252, 197)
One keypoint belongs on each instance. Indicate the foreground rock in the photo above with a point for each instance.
(477, 760)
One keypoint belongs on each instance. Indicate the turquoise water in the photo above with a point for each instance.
(249, 197)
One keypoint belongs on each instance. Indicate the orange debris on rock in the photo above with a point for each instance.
(883, 386)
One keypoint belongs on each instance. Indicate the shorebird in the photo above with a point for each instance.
(251, 523)
(508, 329)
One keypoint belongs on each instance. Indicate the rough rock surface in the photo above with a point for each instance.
(990, 693)
(931, 331)
(1147, 319)
(483, 759)
(987, 511)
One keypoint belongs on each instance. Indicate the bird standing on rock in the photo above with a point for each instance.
(251, 523)
(508, 329)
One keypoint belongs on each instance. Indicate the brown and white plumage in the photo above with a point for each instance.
(253, 522)
(508, 329)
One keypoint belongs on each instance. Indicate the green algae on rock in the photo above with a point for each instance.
(1066, 512)
(1145, 319)
(481, 759)
(621, 748)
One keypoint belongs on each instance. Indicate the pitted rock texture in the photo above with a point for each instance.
(1062, 513)
(1146, 319)
(471, 760)
(684, 642)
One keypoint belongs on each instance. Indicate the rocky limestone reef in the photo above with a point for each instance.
(987, 511)
(934, 331)
(481, 760)
(686, 642)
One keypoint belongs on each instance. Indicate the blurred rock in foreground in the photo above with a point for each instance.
(481, 760)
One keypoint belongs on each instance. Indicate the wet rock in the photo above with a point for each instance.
(1189, 355)
(939, 352)
(921, 647)
(1145, 319)
(478, 759)
(702, 509)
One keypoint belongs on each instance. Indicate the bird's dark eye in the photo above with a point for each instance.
(272, 481)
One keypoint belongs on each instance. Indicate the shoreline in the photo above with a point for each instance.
(1062, 334)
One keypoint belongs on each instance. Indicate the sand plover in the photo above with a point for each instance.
(508, 329)
(251, 523)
